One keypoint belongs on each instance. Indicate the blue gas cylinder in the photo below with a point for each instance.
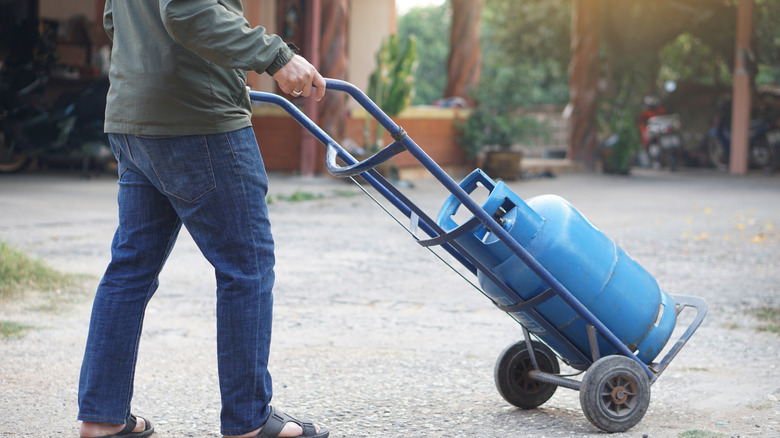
(606, 280)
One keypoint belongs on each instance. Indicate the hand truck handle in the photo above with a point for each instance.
(335, 150)
(452, 204)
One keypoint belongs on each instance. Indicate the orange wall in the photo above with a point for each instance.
(436, 136)
(280, 138)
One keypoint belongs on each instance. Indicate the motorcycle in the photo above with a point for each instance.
(70, 130)
(662, 143)
(763, 141)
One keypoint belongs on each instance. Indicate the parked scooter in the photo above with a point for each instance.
(662, 142)
(71, 130)
(763, 140)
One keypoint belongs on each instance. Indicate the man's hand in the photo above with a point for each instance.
(297, 78)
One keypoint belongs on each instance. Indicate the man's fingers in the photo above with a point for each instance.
(297, 77)
(309, 83)
(319, 82)
(306, 89)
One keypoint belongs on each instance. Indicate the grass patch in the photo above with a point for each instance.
(701, 434)
(29, 284)
(19, 273)
(346, 193)
(9, 329)
(770, 319)
(301, 196)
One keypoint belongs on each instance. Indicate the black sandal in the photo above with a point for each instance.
(276, 421)
(127, 432)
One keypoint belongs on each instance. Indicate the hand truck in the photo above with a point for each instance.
(537, 261)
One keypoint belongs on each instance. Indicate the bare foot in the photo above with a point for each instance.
(90, 430)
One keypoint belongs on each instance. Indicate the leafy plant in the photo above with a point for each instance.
(496, 121)
(626, 141)
(391, 84)
(486, 127)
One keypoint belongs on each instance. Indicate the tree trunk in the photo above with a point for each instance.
(742, 90)
(583, 81)
(465, 59)
(333, 64)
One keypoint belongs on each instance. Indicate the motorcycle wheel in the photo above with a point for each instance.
(656, 154)
(717, 154)
(673, 158)
(761, 154)
(11, 161)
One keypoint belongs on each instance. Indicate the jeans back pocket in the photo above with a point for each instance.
(181, 164)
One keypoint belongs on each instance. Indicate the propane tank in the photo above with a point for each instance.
(597, 272)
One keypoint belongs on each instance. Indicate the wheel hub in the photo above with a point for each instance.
(619, 395)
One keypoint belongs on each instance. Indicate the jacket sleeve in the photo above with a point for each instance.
(108, 20)
(223, 36)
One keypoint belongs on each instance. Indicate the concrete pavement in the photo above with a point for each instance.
(375, 337)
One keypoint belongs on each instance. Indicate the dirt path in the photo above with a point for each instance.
(377, 338)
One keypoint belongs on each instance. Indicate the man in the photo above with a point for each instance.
(178, 118)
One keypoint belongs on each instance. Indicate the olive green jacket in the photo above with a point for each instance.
(178, 67)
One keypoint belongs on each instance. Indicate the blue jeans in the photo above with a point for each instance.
(216, 186)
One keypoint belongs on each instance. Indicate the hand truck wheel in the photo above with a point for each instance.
(615, 393)
(511, 374)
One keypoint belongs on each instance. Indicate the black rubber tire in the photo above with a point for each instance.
(511, 374)
(615, 393)
(10, 162)
(717, 154)
(762, 155)
(674, 158)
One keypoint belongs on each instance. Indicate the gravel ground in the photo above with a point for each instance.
(375, 337)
